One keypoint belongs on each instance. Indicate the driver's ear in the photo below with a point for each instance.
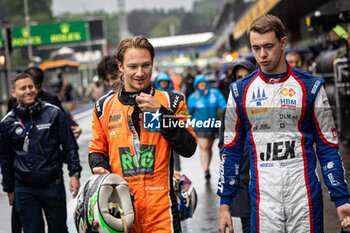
(283, 42)
(120, 66)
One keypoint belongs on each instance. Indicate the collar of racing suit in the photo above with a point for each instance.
(129, 98)
(276, 78)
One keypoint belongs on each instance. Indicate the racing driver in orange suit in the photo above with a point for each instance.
(134, 132)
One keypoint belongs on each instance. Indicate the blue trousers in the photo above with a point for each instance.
(32, 201)
(245, 224)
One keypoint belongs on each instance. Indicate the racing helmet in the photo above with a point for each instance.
(186, 197)
(104, 205)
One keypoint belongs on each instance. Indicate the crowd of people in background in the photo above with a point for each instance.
(205, 101)
(133, 90)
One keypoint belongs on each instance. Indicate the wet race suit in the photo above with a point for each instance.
(282, 117)
(123, 144)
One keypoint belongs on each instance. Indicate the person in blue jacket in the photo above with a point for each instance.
(164, 83)
(31, 136)
(203, 105)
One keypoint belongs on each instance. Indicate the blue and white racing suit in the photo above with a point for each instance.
(282, 118)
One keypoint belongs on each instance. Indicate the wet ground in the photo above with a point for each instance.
(206, 216)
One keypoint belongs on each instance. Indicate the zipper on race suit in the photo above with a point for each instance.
(135, 137)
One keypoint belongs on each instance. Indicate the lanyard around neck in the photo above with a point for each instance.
(23, 126)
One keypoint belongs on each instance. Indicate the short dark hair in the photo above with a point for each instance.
(18, 77)
(36, 73)
(107, 65)
(139, 42)
(267, 23)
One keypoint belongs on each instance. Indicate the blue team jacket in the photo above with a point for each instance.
(204, 106)
(34, 168)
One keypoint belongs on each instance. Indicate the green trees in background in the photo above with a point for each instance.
(166, 27)
(159, 22)
(150, 23)
(39, 11)
(205, 12)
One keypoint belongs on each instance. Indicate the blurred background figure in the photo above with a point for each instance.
(164, 83)
(176, 79)
(95, 90)
(240, 205)
(294, 59)
(155, 73)
(211, 72)
(187, 82)
(225, 79)
(242, 69)
(98, 89)
(203, 105)
(238, 71)
(225, 71)
(108, 71)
